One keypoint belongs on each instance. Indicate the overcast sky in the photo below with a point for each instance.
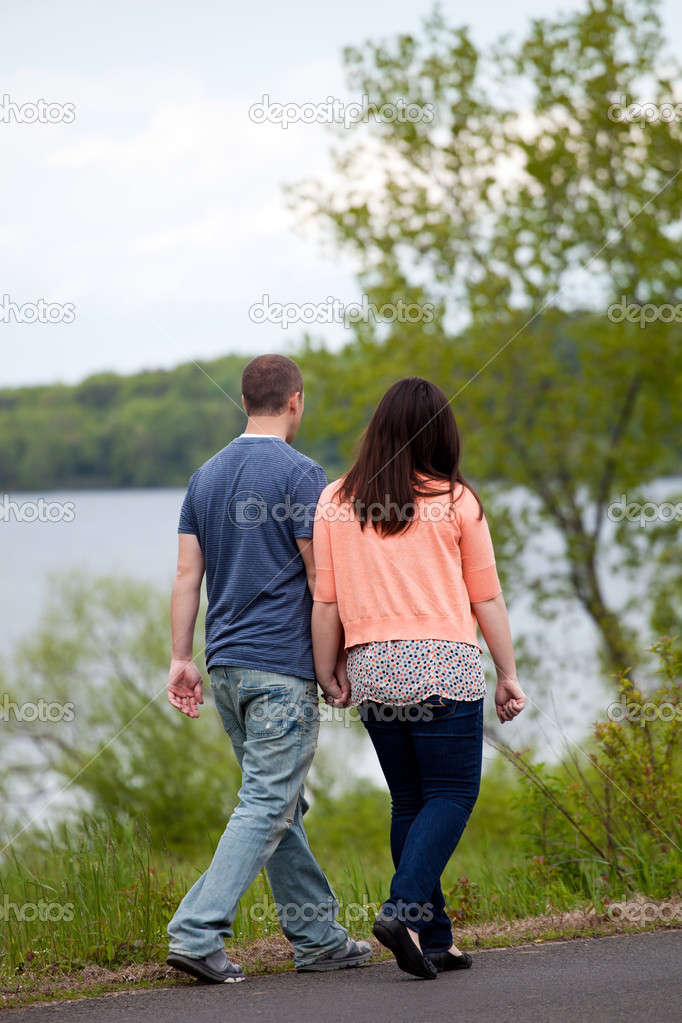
(152, 218)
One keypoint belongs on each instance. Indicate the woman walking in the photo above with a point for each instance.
(405, 571)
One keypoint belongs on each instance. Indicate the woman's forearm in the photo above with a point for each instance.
(493, 622)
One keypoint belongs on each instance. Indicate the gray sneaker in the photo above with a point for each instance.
(353, 953)
(213, 969)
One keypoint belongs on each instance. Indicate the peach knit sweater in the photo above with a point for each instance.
(418, 584)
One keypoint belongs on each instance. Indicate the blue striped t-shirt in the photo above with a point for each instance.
(247, 505)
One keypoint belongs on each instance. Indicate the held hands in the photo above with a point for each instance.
(510, 699)
(184, 687)
(337, 688)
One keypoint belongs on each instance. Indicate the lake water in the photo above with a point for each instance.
(134, 533)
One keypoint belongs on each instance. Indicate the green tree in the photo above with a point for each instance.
(518, 217)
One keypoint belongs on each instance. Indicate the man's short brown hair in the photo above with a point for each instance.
(268, 381)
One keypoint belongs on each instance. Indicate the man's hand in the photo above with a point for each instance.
(336, 689)
(510, 699)
(184, 687)
(341, 676)
(184, 678)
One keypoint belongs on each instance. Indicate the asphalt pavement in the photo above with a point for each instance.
(634, 977)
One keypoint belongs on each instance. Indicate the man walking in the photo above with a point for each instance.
(247, 522)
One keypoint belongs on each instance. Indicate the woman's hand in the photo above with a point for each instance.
(510, 699)
(329, 655)
(336, 690)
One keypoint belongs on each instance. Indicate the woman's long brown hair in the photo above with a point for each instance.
(412, 434)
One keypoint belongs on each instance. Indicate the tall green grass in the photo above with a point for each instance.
(117, 891)
(100, 893)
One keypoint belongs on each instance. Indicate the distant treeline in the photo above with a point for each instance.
(146, 430)
(155, 428)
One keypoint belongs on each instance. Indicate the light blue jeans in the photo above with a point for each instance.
(272, 721)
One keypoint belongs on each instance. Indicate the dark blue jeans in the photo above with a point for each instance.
(431, 758)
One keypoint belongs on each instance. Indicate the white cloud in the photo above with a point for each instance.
(175, 209)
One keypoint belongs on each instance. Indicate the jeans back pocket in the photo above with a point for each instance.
(271, 712)
(438, 708)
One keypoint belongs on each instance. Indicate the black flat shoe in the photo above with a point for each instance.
(394, 935)
(446, 961)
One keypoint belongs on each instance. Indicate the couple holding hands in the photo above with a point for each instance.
(373, 587)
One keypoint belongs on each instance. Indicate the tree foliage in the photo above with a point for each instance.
(522, 213)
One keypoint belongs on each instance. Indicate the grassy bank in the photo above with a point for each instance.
(273, 955)
(85, 909)
(587, 846)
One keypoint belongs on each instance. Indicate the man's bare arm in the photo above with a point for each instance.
(184, 678)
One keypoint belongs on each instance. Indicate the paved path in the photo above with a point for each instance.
(605, 980)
